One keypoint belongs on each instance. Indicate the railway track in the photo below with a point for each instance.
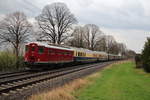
(9, 75)
(5, 74)
(18, 81)
(19, 76)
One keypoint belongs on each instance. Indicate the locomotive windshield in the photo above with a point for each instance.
(32, 49)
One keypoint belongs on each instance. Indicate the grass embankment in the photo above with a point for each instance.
(117, 82)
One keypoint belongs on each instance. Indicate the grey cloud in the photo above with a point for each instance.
(128, 16)
(8, 6)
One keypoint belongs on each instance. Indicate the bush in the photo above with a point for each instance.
(138, 61)
(8, 62)
(146, 56)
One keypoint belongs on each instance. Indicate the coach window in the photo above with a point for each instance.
(79, 53)
(41, 50)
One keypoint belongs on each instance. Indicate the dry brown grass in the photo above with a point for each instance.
(66, 92)
(61, 93)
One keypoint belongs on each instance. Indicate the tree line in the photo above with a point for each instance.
(57, 25)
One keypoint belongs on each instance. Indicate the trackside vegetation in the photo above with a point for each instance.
(8, 62)
(120, 81)
(145, 57)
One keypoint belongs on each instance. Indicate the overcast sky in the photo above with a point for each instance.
(127, 20)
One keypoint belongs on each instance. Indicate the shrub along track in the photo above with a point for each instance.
(21, 86)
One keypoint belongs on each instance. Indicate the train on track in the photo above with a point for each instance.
(39, 54)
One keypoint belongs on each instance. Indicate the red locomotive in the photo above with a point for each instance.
(42, 54)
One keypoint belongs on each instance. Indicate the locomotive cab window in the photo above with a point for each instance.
(41, 50)
(26, 48)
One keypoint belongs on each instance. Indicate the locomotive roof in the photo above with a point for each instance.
(51, 46)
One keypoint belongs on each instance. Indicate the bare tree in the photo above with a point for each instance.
(15, 29)
(115, 48)
(55, 22)
(101, 44)
(77, 39)
(122, 48)
(91, 34)
(109, 44)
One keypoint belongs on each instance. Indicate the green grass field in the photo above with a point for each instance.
(118, 82)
